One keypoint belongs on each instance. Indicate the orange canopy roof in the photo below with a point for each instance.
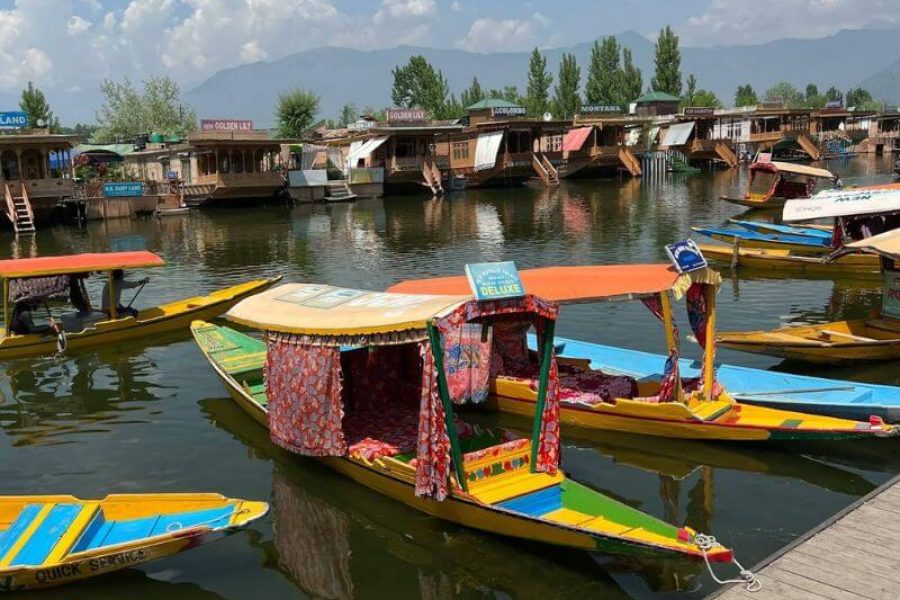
(78, 263)
(566, 284)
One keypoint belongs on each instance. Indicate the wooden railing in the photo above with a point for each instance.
(10, 205)
(27, 202)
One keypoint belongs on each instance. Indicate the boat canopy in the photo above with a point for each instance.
(885, 244)
(575, 138)
(571, 285)
(78, 263)
(843, 203)
(786, 167)
(677, 134)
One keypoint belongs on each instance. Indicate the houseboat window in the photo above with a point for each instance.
(10, 165)
(238, 164)
(518, 142)
(460, 150)
(225, 163)
(404, 148)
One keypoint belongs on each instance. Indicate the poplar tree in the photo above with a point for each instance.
(419, 85)
(668, 63)
(691, 90)
(745, 96)
(632, 80)
(537, 95)
(34, 104)
(566, 97)
(473, 94)
(604, 82)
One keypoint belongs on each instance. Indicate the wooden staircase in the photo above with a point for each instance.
(339, 191)
(19, 211)
(545, 169)
(433, 177)
(630, 162)
(808, 146)
(727, 155)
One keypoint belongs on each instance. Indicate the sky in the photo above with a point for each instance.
(64, 45)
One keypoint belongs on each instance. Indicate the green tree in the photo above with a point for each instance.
(453, 109)
(537, 94)
(348, 114)
(604, 82)
(703, 97)
(862, 99)
(668, 63)
(473, 94)
(690, 91)
(812, 97)
(745, 96)
(420, 85)
(295, 112)
(632, 80)
(566, 99)
(34, 104)
(127, 112)
(833, 94)
(785, 92)
(510, 93)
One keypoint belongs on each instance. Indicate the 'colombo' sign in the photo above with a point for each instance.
(508, 111)
(14, 119)
(226, 125)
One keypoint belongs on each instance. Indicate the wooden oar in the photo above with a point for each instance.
(140, 289)
(846, 388)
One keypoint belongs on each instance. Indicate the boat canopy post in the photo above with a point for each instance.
(668, 318)
(6, 306)
(112, 297)
(709, 357)
(434, 338)
(546, 355)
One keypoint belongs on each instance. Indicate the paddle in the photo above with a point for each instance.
(139, 290)
(845, 388)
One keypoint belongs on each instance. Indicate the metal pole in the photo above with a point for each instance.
(546, 355)
(434, 337)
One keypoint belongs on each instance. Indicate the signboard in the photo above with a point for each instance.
(601, 109)
(119, 189)
(764, 157)
(13, 119)
(699, 111)
(492, 281)
(406, 115)
(171, 174)
(890, 301)
(834, 104)
(508, 111)
(226, 125)
(686, 256)
(842, 203)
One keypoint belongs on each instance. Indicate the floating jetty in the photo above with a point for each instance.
(852, 555)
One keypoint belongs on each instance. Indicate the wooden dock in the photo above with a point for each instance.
(854, 555)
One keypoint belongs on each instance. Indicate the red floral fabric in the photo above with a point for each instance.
(510, 446)
(387, 430)
(467, 361)
(509, 350)
(433, 444)
(303, 386)
(528, 306)
(548, 442)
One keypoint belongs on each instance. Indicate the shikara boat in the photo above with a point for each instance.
(378, 407)
(838, 342)
(797, 244)
(54, 278)
(818, 231)
(785, 261)
(668, 406)
(772, 183)
(51, 540)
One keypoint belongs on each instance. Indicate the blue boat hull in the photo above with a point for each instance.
(847, 399)
(756, 236)
(811, 232)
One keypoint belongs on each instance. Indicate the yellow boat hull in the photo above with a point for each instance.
(65, 563)
(840, 342)
(150, 321)
(756, 202)
(784, 260)
(802, 249)
(723, 420)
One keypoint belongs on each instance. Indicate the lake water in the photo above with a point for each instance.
(151, 415)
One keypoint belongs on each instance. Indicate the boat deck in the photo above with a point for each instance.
(853, 555)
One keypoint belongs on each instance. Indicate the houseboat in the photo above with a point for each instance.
(698, 135)
(36, 171)
(601, 140)
(883, 134)
(235, 166)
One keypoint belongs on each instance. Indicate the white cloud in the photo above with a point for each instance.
(455, 6)
(742, 22)
(406, 9)
(77, 25)
(251, 52)
(491, 35)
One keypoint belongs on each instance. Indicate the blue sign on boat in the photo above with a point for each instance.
(686, 256)
(13, 119)
(118, 189)
(491, 281)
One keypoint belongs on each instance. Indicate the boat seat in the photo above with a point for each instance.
(885, 325)
(51, 528)
(847, 336)
(18, 527)
(242, 363)
(710, 411)
(537, 503)
(101, 533)
(213, 340)
(73, 322)
(513, 486)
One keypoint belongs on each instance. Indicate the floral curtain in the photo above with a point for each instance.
(670, 372)
(548, 441)
(303, 385)
(467, 362)
(54, 287)
(433, 448)
(698, 314)
(509, 352)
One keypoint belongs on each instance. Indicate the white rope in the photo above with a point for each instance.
(706, 543)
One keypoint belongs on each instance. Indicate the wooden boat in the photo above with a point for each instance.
(479, 477)
(798, 244)
(52, 277)
(668, 406)
(816, 231)
(51, 540)
(773, 182)
(838, 342)
(787, 261)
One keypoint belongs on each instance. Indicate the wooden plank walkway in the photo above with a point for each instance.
(855, 555)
